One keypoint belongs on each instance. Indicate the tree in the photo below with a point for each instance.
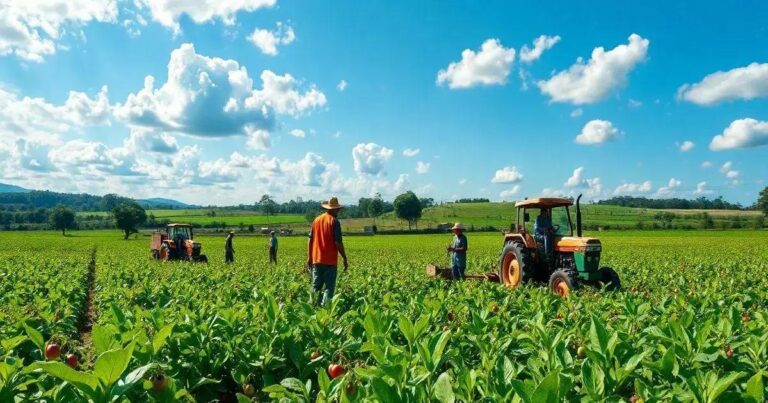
(128, 216)
(363, 206)
(267, 205)
(408, 207)
(375, 207)
(762, 201)
(62, 218)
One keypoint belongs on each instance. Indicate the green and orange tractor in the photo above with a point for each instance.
(176, 243)
(574, 259)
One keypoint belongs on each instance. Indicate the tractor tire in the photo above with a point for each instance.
(609, 279)
(202, 259)
(515, 265)
(156, 254)
(563, 281)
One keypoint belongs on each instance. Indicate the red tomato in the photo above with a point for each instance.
(72, 360)
(335, 370)
(52, 351)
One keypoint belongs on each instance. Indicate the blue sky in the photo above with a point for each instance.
(311, 98)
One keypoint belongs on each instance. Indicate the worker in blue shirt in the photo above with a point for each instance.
(543, 231)
(458, 250)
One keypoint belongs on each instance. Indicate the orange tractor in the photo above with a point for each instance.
(573, 258)
(176, 243)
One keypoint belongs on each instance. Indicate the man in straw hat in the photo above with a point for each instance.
(325, 246)
(229, 250)
(458, 250)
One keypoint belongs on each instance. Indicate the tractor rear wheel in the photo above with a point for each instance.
(563, 282)
(202, 259)
(515, 265)
(610, 279)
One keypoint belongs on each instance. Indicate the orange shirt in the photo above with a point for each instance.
(326, 231)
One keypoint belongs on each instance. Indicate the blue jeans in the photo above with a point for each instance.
(324, 275)
(545, 240)
(458, 272)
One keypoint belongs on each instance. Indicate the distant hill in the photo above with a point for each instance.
(161, 203)
(5, 188)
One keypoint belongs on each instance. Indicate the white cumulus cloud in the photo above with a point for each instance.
(633, 188)
(701, 189)
(741, 133)
(488, 66)
(540, 44)
(342, 85)
(577, 180)
(506, 194)
(671, 186)
(686, 146)
(507, 175)
(33, 29)
(212, 97)
(740, 83)
(411, 152)
(597, 132)
(298, 133)
(267, 41)
(590, 82)
(168, 12)
(370, 158)
(422, 167)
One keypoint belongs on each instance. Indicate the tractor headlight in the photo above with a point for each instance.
(593, 248)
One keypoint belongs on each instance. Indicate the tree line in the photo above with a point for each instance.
(700, 203)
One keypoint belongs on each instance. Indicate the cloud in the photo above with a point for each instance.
(411, 152)
(267, 41)
(422, 167)
(706, 164)
(540, 44)
(510, 192)
(342, 85)
(93, 158)
(633, 188)
(668, 190)
(32, 30)
(577, 112)
(168, 12)
(593, 186)
(597, 132)
(730, 173)
(489, 66)
(740, 83)
(701, 189)
(151, 141)
(507, 175)
(590, 82)
(686, 146)
(213, 97)
(297, 133)
(370, 158)
(634, 104)
(258, 139)
(741, 133)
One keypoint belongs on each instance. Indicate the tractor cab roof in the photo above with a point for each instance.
(178, 225)
(544, 202)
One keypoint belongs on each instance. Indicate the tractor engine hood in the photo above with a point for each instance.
(578, 244)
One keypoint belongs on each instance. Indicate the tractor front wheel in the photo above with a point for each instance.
(563, 282)
(610, 279)
(515, 265)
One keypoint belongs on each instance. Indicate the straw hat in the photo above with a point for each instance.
(458, 226)
(332, 204)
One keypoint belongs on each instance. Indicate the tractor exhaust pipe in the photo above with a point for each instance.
(578, 216)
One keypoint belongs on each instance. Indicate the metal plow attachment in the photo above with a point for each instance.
(445, 274)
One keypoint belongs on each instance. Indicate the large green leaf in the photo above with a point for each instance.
(109, 367)
(723, 384)
(36, 338)
(129, 381)
(102, 338)
(549, 389)
(755, 388)
(86, 383)
(161, 336)
(443, 389)
(384, 392)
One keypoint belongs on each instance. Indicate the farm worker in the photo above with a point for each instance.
(229, 251)
(458, 251)
(273, 247)
(324, 246)
(543, 231)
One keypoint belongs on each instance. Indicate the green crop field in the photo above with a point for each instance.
(689, 325)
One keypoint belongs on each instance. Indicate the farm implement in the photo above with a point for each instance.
(573, 260)
(176, 243)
